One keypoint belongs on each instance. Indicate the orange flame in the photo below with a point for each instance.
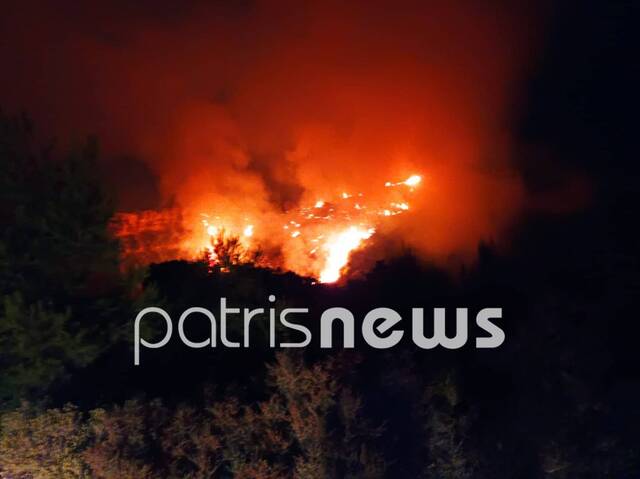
(338, 249)
(317, 240)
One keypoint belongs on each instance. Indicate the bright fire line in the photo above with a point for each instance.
(339, 248)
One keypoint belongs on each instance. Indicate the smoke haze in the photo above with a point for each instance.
(252, 109)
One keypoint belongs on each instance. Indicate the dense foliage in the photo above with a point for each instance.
(63, 297)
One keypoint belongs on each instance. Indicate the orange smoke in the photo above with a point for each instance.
(252, 112)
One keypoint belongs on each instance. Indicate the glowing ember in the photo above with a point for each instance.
(338, 249)
(413, 180)
(248, 231)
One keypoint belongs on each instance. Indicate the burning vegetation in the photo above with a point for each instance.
(315, 240)
(301, 129)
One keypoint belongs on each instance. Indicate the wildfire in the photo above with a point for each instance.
(318, 239)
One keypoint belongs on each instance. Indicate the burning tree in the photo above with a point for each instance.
(226, 250)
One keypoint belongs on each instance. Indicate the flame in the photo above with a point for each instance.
(338, 249)
(413, 180)
(318, 239)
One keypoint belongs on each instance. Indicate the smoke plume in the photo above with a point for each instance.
(249, 110)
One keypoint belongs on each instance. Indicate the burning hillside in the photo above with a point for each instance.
(315, 240)
(293, 127)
